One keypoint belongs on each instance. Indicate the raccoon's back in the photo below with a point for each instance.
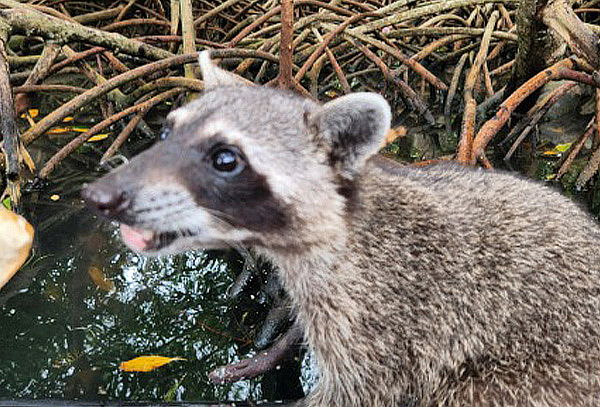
(475, 268)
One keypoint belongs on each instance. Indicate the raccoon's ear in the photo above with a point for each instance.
(352, 128)
(214, 76)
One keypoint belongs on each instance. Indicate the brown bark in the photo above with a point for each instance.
(559, 16)
(39, 72)
(535, 44)
(8, 124)
(492, 126)
(286, 45)
(48, 121)
(29, 21)
(574, 151)
(79, 140)
(541, 26)
(188, 32)
(413, 99)
(470, 114)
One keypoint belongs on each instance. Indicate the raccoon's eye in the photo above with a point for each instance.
(227, 160)
(164, 133)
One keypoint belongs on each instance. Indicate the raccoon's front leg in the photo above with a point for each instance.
(263, 362)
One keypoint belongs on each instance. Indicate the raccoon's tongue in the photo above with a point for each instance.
(137, 239)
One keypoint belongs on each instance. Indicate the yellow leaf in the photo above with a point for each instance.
(550, 177)
(79, 129)
(146, 363)
(59, 130)
(30, 113)
(100, 280)
(98, 137)
(68, 119)
(551, 153)
(16, 238)
(54, 197)
(563, 147)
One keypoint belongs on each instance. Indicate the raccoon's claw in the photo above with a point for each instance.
(263, 362)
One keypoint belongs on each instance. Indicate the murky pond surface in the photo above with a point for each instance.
(84, 304)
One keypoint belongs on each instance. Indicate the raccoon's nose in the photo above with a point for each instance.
(106, 199)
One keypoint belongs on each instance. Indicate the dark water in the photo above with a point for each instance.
(84, 304)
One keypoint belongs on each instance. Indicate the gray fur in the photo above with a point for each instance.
(443, 286)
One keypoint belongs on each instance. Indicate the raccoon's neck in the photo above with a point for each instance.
(321, 290)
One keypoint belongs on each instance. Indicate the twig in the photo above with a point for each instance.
(8, 125)
(492, 126)
(39, 72)
(35, 23)
(79, 140)
(453, 87)
(99, 90)
(286, 45)
(188, 32)
(122, 137)
(464, 153)
(417, 103)
(542, 109)
(574, 151)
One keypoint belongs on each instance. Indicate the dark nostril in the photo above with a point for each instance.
(106, 199)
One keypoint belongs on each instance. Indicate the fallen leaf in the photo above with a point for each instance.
(59, 130)
(30, 113)
(68, 119)
(557, 150)
(100, 280)
(98, 137)
(563, 147)
(146, 363)
(16, 238)
(54, 197)
(79, 129)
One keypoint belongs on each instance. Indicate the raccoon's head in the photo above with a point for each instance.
(244, 165)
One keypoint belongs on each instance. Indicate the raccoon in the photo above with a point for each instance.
(437, 286)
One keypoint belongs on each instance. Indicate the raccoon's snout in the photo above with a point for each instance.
(106, 199)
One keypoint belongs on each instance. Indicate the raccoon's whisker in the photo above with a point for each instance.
(164, 216)
(221, 217)
(185, 232)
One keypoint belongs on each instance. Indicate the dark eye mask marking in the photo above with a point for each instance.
(245, 200)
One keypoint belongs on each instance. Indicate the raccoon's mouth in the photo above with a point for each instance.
(143, 240)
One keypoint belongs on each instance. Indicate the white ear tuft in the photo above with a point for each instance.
(214, 76)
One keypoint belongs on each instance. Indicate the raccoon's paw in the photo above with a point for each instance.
(284, 348)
